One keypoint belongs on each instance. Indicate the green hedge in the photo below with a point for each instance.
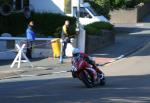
(95, 28)
(115, 4)
(51, 24)
(145, 1)
(14, 24)
(47, 24)
(104, 6)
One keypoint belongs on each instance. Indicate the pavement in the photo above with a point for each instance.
(126, 44)
(44, 66)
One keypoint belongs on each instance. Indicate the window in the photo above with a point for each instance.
(83, 13)
(92, 11)
(20, 4)
(67, 7)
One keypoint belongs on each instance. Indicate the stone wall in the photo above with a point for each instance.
(130, 16)
(94, 42)
(123, 16)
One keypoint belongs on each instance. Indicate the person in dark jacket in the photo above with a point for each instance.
(30, 34)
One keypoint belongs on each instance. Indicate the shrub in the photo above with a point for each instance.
(131, 3)
(45, 23)
(90, 30)
(95, 28)
(51, 24)
(144, 1)
(115, 4)
(102, 7)
(14, 24)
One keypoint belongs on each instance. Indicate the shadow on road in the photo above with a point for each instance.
(119, 89)
(9, 62)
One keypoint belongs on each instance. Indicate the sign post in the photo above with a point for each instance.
(61, 51)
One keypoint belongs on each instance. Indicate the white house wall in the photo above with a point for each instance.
(55, 6)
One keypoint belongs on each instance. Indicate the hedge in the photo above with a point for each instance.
(96, 28)
(102, 7)
(47, 24)
(115, 4)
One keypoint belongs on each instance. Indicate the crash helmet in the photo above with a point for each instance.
(75, 52)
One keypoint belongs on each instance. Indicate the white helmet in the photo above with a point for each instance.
(75, 51)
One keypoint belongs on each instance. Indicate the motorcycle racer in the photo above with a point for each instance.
(77, 54)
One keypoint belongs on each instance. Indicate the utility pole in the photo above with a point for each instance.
(78, 23)
(22, 4)
(14, 4)
(78, 16)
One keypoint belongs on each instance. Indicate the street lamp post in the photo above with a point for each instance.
(78, 16)
(77, 24)
(22, 4)
(14, 4)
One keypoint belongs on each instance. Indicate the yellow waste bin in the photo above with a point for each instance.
(55, 43)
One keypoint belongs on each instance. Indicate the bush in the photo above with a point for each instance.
(51, 24)
(102, 7)
(46, 23)
(14, 24)
(95, 28)
(115, 4)
(131, 3)
(144, 1)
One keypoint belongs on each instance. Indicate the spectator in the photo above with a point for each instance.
(30, 34)
(66, 35)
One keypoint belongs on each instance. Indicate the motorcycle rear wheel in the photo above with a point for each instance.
(86, 79)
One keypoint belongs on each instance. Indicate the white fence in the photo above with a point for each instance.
(41, 47)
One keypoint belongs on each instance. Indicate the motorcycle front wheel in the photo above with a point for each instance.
(102, 79)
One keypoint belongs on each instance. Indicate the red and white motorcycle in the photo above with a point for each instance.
(86, 73)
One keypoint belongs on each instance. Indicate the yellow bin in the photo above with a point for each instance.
(56, 47)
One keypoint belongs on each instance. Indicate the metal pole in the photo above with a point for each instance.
(78, 23)
(78, 16)
(61, 51)
(22, 4)
(14, 4)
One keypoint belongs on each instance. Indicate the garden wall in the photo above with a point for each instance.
(94, 43)
(130, 16)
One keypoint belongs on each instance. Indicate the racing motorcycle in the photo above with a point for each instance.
(85, 72)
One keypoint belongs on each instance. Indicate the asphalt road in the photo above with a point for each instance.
(127, 82)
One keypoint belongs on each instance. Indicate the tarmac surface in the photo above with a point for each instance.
(127, 81)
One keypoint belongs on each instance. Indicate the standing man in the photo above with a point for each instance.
(30, 34)
(66, 35)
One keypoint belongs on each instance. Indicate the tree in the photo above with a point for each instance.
(102, 7)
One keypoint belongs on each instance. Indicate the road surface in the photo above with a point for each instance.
(127, 82)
